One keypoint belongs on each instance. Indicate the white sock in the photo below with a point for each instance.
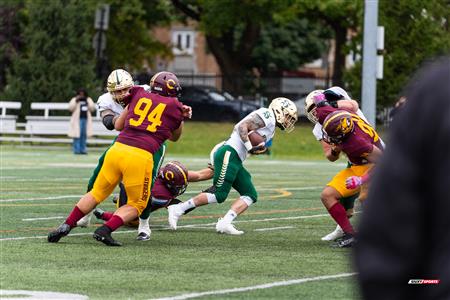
(143, 223)
(211, 198)
(187, 205)
(230, 216)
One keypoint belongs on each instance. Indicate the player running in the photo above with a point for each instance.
(147, 122)
(348, 133)
(228, 164)
(338, 98)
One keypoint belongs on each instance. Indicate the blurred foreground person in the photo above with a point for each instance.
(411, 239)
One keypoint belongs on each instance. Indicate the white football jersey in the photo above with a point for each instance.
(106, 102)
(267, 131)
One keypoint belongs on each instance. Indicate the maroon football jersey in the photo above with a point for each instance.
(150, 120)
(160, 191)
(323, 112)
(360, 142)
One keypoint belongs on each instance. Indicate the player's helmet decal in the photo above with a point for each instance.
(175, 177)
(337, 126)
(165, 84)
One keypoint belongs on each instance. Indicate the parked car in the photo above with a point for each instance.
(210, 104)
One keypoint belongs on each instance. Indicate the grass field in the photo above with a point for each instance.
(281, 247)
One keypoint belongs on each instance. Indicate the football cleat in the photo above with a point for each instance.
(175, 213)
(56, 235)
(227, 228)
(98, 213)
(144, 231)
(103, 234)
(335, 234)
(85, 221)
(347, 241)
(143, 236)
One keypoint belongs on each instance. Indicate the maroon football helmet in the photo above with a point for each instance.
(337, 126)
(175, 177)
(165, 84)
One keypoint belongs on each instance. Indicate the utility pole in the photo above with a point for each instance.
(99, 43)
(369, 81)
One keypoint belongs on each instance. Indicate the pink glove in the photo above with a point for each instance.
(353, 182)
(319, 99)
(186, 111)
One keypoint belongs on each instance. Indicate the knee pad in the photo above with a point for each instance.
(251, 196)
(248, 200)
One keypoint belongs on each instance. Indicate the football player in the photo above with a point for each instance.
(110, 106)
(148, 120)
(336, 97)
(348, 133)
(228, 164)
(171, 182)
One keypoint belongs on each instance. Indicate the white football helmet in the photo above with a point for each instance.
(285, 112)
(310, 107)
(119, 84)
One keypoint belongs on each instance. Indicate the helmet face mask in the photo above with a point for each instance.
(165, 84)
(337, 126)
(310, 106)
(285, 113)
(119, 84)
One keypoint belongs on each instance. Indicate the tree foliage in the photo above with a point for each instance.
(286, 46)
(129, 42)
(58, 58)
(414, 32)
(261, 34)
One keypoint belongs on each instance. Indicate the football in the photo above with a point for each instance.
(255, 138)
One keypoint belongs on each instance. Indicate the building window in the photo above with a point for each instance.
(183, 42)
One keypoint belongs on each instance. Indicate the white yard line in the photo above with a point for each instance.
(305, 188)
(201, 225)
(42, 198)
(274, 228)
(39, 219)
(256, 287)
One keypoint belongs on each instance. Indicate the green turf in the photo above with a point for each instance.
(198, 140)
(47, 183)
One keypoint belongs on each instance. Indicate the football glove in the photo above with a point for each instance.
(353, 182)
(259, 149)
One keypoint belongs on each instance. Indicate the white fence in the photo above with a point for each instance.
(46, 128)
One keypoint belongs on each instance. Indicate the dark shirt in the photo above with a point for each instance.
(83, 108)
(405, 227)
(151, 119)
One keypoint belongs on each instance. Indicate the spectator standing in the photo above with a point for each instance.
(81, 107)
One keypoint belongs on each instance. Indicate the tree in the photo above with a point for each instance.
(58, 58)
(286, 46)
(341, 16)
(414, 32)
(10, 37)
(129, 42)
(232, 29)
